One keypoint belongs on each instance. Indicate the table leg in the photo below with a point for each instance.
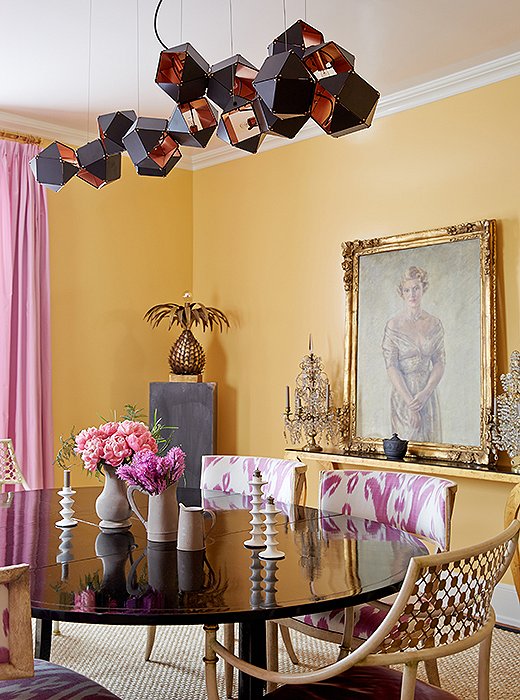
(252, 648)
(42, 639)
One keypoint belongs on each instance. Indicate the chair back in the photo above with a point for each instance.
(16, 656)
(10, 472)
(285, 477)
(418, 504)
(446, 597)
(512, 512)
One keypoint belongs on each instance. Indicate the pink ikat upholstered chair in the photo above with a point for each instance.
(22, 677)
(415, 503)
(232, 474)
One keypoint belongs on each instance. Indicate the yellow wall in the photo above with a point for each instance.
(263, 235)
(267, 250)
(113, 254)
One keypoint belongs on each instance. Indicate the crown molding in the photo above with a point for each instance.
(439, 89)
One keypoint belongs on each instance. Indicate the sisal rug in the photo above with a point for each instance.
(113, 656)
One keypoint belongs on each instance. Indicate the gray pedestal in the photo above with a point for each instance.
(192, 407)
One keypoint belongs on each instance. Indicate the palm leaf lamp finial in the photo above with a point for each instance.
(187, 354)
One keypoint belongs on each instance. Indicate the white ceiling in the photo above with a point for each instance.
(398, 44)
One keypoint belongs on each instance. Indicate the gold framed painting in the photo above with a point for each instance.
(420, 347)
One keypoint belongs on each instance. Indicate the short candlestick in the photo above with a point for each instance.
(67, 511)
(271, 551)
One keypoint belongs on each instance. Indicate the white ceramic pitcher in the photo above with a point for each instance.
(163, 514)
(192, 532)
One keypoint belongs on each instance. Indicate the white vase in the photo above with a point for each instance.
(163, 514)
(112, 505)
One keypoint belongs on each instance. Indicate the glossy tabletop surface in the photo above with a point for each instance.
(85, 575)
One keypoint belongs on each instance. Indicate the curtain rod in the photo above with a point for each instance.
(22, 138)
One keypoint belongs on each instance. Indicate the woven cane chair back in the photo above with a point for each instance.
(449, 595)
(10, 472)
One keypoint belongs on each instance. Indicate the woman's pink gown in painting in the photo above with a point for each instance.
(414, 355)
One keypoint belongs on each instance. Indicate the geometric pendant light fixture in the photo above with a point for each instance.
(97, 167)
(304, 76)
(151, 146)
(54, 166)
(344, 103)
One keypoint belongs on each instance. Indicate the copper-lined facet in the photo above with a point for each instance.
(193, 123)
(328, 59)
(151, 147)
(344, 103)
(243, 127)
(182, 73)
(97, 167)
(298, 37)
(54, 166)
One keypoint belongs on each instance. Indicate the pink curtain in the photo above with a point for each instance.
(25, 353)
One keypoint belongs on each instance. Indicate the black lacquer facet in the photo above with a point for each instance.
(193, 123)
(298, 37)
(97, 167)
(151, 147)
(285, 85)
(182, 73)
(344, 103)
(286, 128)
(54, 166)
(113, 126)
(231, 78)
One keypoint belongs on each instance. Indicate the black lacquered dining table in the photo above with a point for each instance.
(83, 574)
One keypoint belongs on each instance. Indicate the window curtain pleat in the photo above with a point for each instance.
(25, 351)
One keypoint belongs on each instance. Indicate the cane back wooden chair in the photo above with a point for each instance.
(444, 607)
(286, 482)
(20, 675)
(418, 504)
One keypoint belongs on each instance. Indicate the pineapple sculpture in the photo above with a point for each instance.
(187, 354)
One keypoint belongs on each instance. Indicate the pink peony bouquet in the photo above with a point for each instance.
(113, 444)
(152, 473)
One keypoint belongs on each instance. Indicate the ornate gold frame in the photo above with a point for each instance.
(352, 250)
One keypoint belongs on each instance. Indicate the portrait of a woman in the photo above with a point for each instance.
(414, 355)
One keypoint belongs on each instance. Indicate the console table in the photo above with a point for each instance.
(481, 498)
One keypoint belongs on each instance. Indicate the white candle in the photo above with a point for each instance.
(310, 343)
(66, 478)
(288, 398)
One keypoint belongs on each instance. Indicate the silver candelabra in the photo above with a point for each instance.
(313, 413)
(506, 430)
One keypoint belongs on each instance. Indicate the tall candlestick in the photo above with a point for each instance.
(66, 478)
(288, 399)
